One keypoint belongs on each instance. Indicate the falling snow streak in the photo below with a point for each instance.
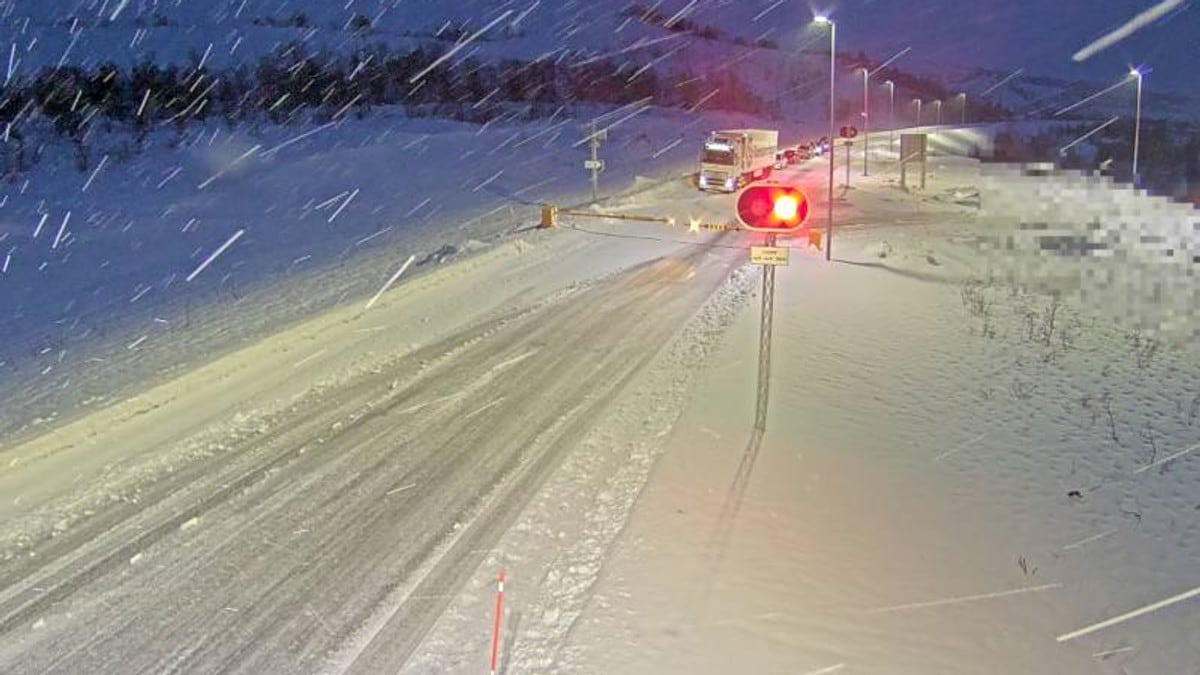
(61, 230)
(535, 186)
(827, 670)
(672, 144)
(418, 207)
(103, 161)
(38, 230)
(145, 100)
(1121, 83)
(680, 14)
(521, 17)
(369, 237)
(213, 256)
(614, 124)
(297, 139)
(346, 107)
(117, 10)
(653, 62)
(992, 88)
(174, 172)
(391, 281)
(767, 10)
(329, 202)
(488, 181)
(963, 599)
(540, 133)
(12, 59)
(456, 48)
(1187, 595)
(1129, 28)
(343, 205)
(232, 164)
(703, 99)
(1164, 460)
(63, 58)
(640, 44)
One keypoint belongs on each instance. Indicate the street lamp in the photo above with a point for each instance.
(866, 113)
(963, 96)
(891, 114)
(938, 103)
(826, 21)
(918, 102)
(1137, 125)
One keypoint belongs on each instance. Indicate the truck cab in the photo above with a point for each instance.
(732, 158)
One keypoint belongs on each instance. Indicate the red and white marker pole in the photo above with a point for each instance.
(496, 624)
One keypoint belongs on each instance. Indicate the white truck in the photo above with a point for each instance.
(734, 157)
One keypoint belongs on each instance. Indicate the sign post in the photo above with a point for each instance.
(764, 342)
(769, 209)
(595, 164)
(847, 133)
(913, 148)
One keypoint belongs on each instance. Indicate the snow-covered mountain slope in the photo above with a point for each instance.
(968, 50)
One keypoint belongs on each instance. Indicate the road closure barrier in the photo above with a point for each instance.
(550, 214)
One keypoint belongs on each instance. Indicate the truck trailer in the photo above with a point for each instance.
(733, 158)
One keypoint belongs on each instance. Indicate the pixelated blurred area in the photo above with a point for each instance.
(1114, 249)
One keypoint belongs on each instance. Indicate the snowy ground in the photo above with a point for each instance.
(95, 289)
(943, 486)
(957, 469)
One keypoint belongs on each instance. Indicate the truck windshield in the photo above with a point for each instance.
(712, 156)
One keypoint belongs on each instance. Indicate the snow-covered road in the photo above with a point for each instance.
(240, 517)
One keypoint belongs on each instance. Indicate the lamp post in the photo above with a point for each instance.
(824, 20)
(963, 96)
(866, 115)
(918, 102)
(1137, 124)
(938, 117)
(891, 114)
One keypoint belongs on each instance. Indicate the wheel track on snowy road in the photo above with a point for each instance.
(396, 498)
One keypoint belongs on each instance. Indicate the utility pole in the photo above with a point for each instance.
(891, 115)
(848, 143)
(866, 115)
(1137, 124)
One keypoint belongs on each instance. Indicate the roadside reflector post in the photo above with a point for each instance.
(549, 216)
(496, 622)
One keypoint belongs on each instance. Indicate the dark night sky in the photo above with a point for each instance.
(1037, 35)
